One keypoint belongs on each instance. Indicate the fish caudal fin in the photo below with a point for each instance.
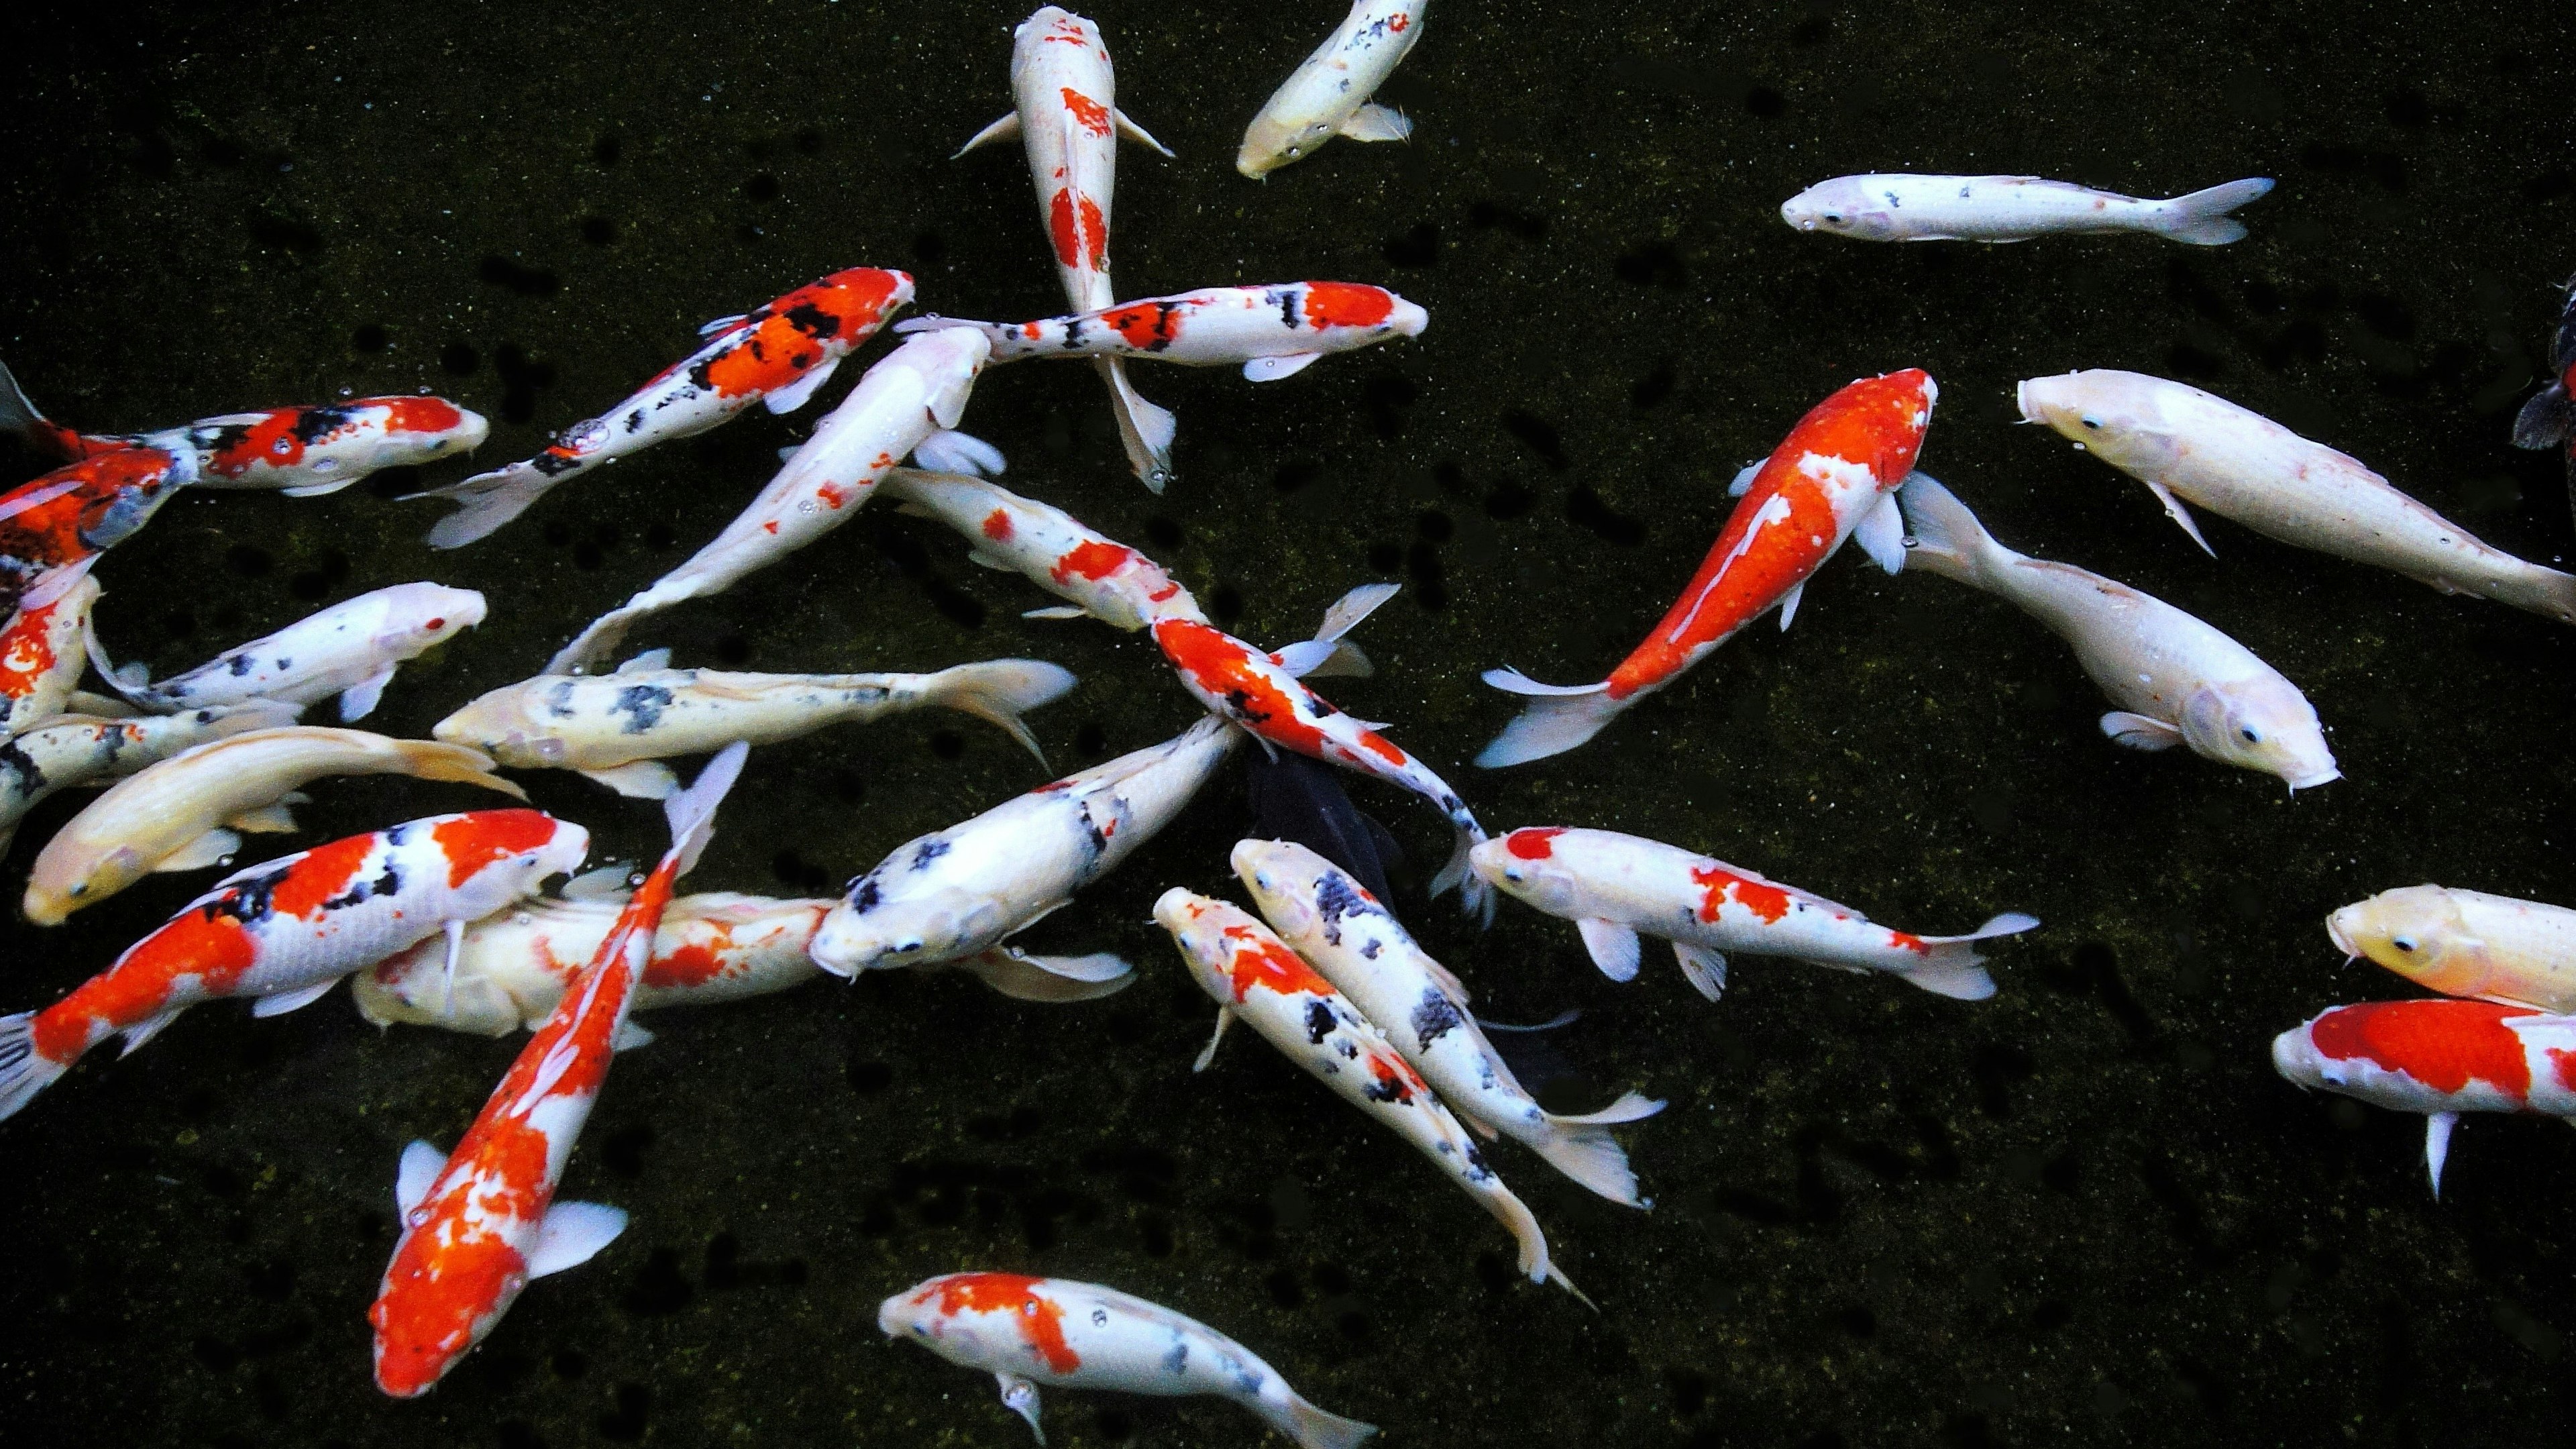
(1556, 719)
(24, 1071)
(2201, 218)
(486, 501)
(692, 812)
(1145, 430)
(1000, 691)
(1312, 1428)
(1952, 965)
(1534, 1261)
(20, 416)
(1947, 538)
(2544, 422)
(1583, 1149)
(456, 764)
(1475, 893)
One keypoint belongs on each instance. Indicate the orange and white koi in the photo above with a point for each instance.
(1063, 1334)
(40, 656)
(1613, 886)
(1829, 480)
(961, 891)
(2466, 943)
(299, 451)
(1270, 332)
(1328, 96)
(1066, 115)
(1253, 975)
(2438, 1057)
(286, 930)
(913, 395)
(480, 1222)
(1343, 932)
(777, 355)
(73, 514)
(172, 816)
(1059, 553)
(350, 649)
(84, 749)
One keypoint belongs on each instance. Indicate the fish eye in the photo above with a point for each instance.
(1835, 217)
(436, 624)
(79, 888)
(2251, 736)
(2402, 944)
(2093, 423)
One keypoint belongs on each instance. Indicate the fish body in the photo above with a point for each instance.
(171, 815)
(1297, 799)
(2438, 1057)
(964, 890)
(911, 393)
(2189, 446)
(1066, 115)
(1051, 548)
(2548, 419)
(1255, 977)
(68, 750)
(1063, 1334)
(480, 1222)
(40, 656)
(286, 929)
(1614, 887)
(1358, 945)
(81, 510)
(2175, 679)
(1829, 480)
(611, 727)
(777, 354)
(1899, 207)
(2467, 943)
(1270, 332)
(350, 649)
(1328, 96)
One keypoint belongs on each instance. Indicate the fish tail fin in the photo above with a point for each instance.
(999, 691)
(456, 764)
(1312, 1428)
(20, 416)
(1948, 539)
(1556, 719)
(1144, 429)
(1952, 965)
(2201, 218)
(1631, 1107)
(24, 1071)
(1583, 1149)
(129, 681)
(596, 642)
(1474, 893)
(2546, 420)
(486, 501)
(692, 812)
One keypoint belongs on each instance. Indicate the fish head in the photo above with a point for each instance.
(443, 1293)
(1842, 207)
(72, 882)
(2116, 416)
(2419, 933)
(1273, 141)
(877, 928)
(2295, 1057)
(418, 616)
(1526, 866)
(2260, 723)
(1284, 878)
(1408, 318)
(1197, 924)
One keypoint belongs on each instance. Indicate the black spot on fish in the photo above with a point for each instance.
(1369, 951)
(1393, 1088)
(551, 464)
(361, 891)
(1319, 1022)
(1287, 297)
(813, 321)
(864, 894)
(1336, 898)
(642, 704)
(1434, 1017)
(312, 425)
(238, 665)
(930, 850)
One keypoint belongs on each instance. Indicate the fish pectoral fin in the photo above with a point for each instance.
(1743, 482)
(950, 451)
(1271, 369)
(278, 1003)
(2179, 514)
(1352, 608)
(2138, 732)
(276, 819)
(2437, 1145)
(1023, 977)
(1789, 603)
(1347, 661)
(148, 1028)
(1058, 611)
(1614, 947)
(421, 1165)
(1021, 1398)
(1881, 535)
(1705, 968)
(1306, 656)
(630, 1035)
(572, 1234)
(360, 699)
(642, 780)
(1128, 128)
(1374, 122)
(650, 659)
(606, 883)
(1224, 1019)
(211, 848)
(1001, 130)
(800, 392)
(316, 490)
(722, 324)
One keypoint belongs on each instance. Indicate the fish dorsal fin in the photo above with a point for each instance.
(650, 659)
(800, 392)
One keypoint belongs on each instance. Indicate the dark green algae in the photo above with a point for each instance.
(2086, 1211)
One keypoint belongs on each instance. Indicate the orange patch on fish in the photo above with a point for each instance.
(202, 943)
(475, 840)
(997, 526)
(1259, 961)
(1040, 1318)
(1346, 304)
(1091, 115)
(1251, 694)
(1094, 559)
(322, 875)
(2443, 1044)
(1534, 843)
(1762, 898)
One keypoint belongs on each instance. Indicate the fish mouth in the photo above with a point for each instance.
(2021, 399)
(2311, 781)
(2342, 938)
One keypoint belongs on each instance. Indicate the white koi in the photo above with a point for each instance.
(1328, 96)
(1270, 332)
(86, 749)
(2010, 208)
(350, 649)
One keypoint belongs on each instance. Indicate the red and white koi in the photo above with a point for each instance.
(480, 1222)
(83, 749)
(299, 451)
(1056, 551)
(616, 729)
(964, 890)
(2438, 1057)
(75, 513)
(40, 656)
(1063, 1334)
(2466, 943)
(912, 394)
(1359, 946)
(777, 354)
(1253, 975)
(1894, 207)
(350, 649)
(1328, 96)
(1066, 115)
(286, 930)
(1614, 886)
(1829, 480)
(2548, 420)
(174, 814)
(1270, 332)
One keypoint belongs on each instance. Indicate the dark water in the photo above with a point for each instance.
(2086, 1211)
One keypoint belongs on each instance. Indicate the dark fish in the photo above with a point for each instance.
(2549, 419)
(1295, 798)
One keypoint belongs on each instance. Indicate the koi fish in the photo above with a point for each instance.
(1066, 115)
(40, 656)
(776, 355)
(2187, 445)
(1253, 975)
(2548, 420)
(77, 512)
(616, 729)
(1613, 886)
(1899, 207)
(2177, 680)
(1360, 947)
(300, 451)
(1270, 332)
(1829, 480)
(1054, 1331)
(172, 815)
(83, 749)
(1328, 96)
(286, 930)
(1294, 798)
(912, 393)
(480, 1222)
(2438, 1057)
(350, 649)
(964, 890)
(1104, 578)
(2466, 943)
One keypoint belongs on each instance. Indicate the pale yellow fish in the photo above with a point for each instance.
(2467, 943)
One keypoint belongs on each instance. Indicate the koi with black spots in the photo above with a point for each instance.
(1270, 332)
